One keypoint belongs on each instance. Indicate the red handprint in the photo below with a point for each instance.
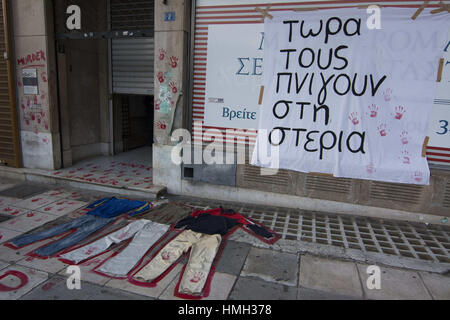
(90, 250)
(373, 109)
(162, 54)
(173, 61)
(353, 117)
(165, 255)
(382, 129)
(418, 176)
(399, 112)
(161, 125)
(197, 277)
(160, 77)
(406, 157)
(173, 87)
(404, 137)
(370, 168)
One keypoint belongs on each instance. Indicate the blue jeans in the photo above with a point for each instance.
(85, 225)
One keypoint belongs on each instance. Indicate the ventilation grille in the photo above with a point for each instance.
(328, 184)
(446, 202)
(396, 192)
(252, 174)
(132, 14)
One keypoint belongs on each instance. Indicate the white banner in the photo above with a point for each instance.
(351, 95)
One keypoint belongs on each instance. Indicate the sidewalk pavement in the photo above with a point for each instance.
(247, 270)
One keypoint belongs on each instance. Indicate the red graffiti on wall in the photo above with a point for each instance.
(31, 58)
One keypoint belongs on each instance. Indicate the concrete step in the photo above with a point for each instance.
(44, 176)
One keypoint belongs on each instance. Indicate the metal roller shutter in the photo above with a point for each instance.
(132, 58)
(9, 145)
(132, 65)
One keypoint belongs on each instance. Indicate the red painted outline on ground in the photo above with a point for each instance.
(20, 275)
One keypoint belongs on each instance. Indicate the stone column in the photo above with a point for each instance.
(38, 111)
(172, 27)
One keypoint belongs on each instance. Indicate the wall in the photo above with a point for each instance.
(171, 71)
(38, 113)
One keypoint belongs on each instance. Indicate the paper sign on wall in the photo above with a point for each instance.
(30, 81)
(348, 100)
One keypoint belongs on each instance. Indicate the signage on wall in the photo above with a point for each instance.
(169, 16)
(30, 81)
(347, 100)
(234, 75)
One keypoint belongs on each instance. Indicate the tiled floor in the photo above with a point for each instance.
(243, 270)
(114, 171)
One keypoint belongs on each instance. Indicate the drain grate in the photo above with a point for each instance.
(405, 239)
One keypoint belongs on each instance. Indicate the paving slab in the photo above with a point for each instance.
(56, 288)
(395, 284)
(6, 234)
(312, 294)
(340, 277)
(60, 193)
(12, 211)
(3, 264)
(87, 275)
(221, 286)
(438, 285)
(271, 265)
(7, 200)
(62, 207)
(24, 190)
(153, 292)
(9, 277)
(104, 293)
(35, 202)
(233, 257)
(51, 265)
(250, 288)
(28, 221)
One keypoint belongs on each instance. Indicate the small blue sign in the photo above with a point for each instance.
(169, 16)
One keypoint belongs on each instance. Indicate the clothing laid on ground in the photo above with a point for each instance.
(145, 233)
(203, 252)
(85, 226)
(221, 221)
(104, 211)
(113, 207)
(208, 224)
(203, 231)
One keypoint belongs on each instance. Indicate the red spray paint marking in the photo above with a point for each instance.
(48, 286)
(21, 276)
(31, 58)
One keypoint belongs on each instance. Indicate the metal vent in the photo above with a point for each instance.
(132, 14)
(446, 202)
(132, 64)
(253, 174)
(328, 184)
(396, 192)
